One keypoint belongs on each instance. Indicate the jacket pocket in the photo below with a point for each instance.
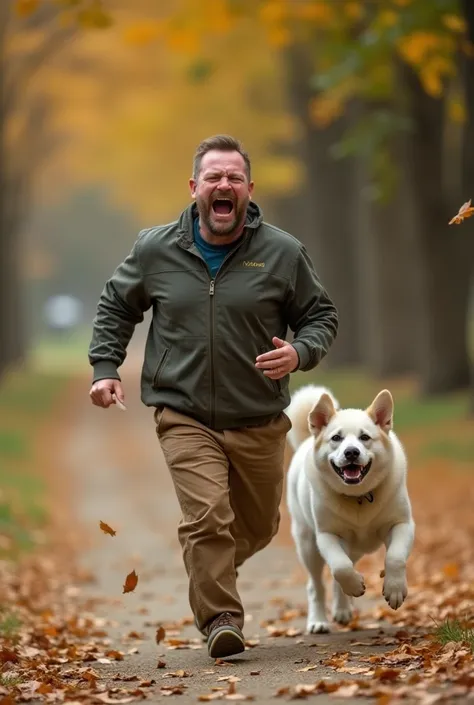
(275, 384)
(159, 367)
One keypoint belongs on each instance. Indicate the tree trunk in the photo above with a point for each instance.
(387, 261)
(468, 147)
(326, 209)
(445, 259)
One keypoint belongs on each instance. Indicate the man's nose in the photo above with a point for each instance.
(224, 183)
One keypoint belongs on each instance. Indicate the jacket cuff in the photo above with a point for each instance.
(303, 354)
(105, 369)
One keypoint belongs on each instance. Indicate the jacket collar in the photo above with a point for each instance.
(185, 222)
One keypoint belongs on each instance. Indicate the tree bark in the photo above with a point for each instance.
(467, 66)
(325, 204)
(388, 261)
(445, 258)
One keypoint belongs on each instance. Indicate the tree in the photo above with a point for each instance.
(30, 34)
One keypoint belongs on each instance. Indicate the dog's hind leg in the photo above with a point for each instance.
(312, 560)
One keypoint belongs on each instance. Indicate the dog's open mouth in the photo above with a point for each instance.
(352, 473)
(222, 206)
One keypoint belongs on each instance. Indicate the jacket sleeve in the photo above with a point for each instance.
(121, 306)
(311, 314)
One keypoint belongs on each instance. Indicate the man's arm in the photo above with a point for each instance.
(121, 306)
(311, 314)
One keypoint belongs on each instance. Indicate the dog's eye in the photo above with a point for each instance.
(364, 437)
(336, 438)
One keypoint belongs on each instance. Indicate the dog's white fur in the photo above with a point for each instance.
(337, 523)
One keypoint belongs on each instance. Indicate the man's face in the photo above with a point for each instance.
(222, 192)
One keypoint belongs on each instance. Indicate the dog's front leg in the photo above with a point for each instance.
(340, 565)
(399, 543)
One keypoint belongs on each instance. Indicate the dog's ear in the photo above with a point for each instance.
(321, 414)
(381, 410)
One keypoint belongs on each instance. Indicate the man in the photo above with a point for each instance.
(224, 287)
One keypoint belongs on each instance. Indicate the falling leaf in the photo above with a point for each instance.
(466, 211)
(130, 582)
(160, 634)
(107, 529)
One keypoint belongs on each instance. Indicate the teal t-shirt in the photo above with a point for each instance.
(213, 255)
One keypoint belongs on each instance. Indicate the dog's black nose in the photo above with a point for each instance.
(351, 454)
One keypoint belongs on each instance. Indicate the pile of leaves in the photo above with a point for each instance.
(50, 641)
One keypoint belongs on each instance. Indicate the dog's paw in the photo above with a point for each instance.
(314, 627)
(395, 589)
(342, 615)
(351, 582)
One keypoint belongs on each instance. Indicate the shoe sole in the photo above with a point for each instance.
(225, 643)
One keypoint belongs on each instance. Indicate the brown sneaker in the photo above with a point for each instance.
(225, 638)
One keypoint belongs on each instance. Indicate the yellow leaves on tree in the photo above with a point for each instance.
(431, 54)
(24, 8)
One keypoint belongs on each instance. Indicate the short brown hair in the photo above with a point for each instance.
(223, 143)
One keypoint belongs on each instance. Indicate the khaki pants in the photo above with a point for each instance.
(229, 486)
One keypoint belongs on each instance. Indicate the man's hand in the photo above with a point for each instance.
(279, 362)
(105, 392)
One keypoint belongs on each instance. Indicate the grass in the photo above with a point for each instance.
(26, 398)
(10, 681)
(454, 631)
(9, 625)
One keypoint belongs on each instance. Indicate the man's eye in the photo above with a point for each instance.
(336, 438)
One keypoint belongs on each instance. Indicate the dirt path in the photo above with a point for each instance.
(120, 477)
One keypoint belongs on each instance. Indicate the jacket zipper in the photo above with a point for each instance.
(212, 287)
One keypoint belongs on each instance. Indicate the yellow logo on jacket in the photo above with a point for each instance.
(250, 263)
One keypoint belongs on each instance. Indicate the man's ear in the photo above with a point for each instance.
(192, 187)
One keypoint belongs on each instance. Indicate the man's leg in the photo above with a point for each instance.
(256, 457)
(200, 472)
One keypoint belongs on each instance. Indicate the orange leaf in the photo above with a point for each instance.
(451, 570)
(130, 582)
(25, 8)
(107, 529)
(464, 212)
(160, 634)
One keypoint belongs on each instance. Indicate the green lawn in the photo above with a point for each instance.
(26, 398)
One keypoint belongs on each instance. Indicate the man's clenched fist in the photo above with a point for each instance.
(105, 392)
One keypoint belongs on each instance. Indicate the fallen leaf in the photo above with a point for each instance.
(346, 691)
(255, 673)
(161, 664)
(131, 582)
(107, 529)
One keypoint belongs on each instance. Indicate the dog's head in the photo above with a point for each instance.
(352, 446)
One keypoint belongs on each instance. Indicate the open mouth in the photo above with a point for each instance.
(222, 206)
(352, 473)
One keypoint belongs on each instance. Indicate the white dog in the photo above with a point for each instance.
(347, 496)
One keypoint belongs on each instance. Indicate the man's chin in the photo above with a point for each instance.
(222, 229)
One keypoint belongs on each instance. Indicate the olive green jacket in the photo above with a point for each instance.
(206, 333)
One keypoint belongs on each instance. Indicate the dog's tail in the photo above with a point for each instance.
(302, 401)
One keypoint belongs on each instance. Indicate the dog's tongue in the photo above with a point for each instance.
(352, 473)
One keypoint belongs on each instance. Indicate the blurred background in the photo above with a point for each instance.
(359, 119)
